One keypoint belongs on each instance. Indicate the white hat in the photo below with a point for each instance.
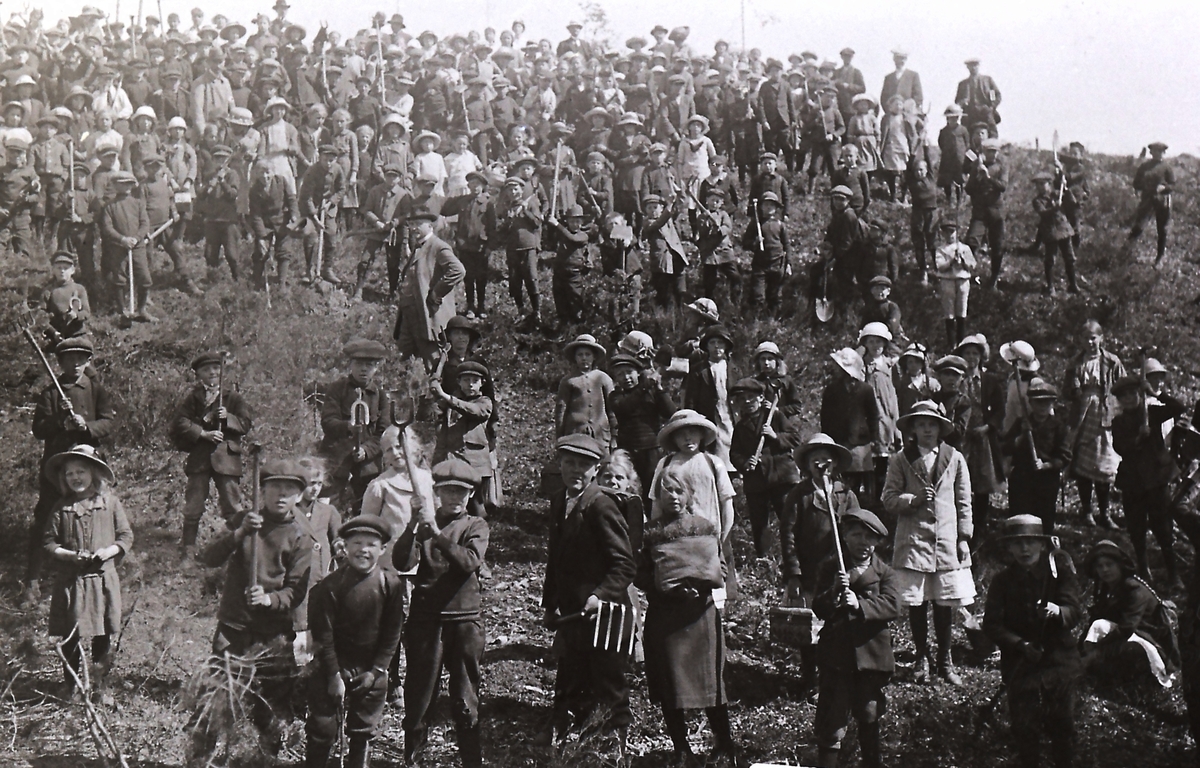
(146, 111)
(177, 122)
(851, 362)
(875, 329)
(767, 348)
(1020, 354)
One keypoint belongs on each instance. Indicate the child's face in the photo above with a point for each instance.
(893, 108)
(72, 364)
(1041, 407)
(950, 380)
(452, 500)
(671, 498)
(16, 157)
(748, 403)
(972, 355)
(1107, 570)
(689, 439)
(769, 209)
(363, 551)
(862, 107)
(425, 145)
(694, 130)
(617, 478)
(859, 541)
(718, 349)
(312, 491)
(654, 210)
(47, 130)
(1026, 552)
(281, 496)
(627, 376)
(209, 374)
(912, 366)
(819, 460)
(393, 455)
(460, 340)
(460, 144)
(471, 384)
(585, 359)
(767, 363)
(363, 370)
(839, 203)
(63, 273)
(768, 166)
(880, 292)
(657, 158)
(77, 475)
(1129, 400)
(927, 430)
(339, 123)
(716, 202)
(595, 166)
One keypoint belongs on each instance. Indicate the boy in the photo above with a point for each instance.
(658, 180)
(879, 308)
(713, 228)
(463, 432)
(446, 546)
(1032, 608)
(355, 616)
(768, 474)
(570, 265)
(155, 190)
(124, 225)
(1147, 469)
(664, 250)
(954, 262)
(52, 160)
(849, 174)
(854, 654)
(379, 214)
(1037, 467)
(924, 214)
(767, 180)
(66, 302)
(767, 240)
(459, 162)
(878, 257)
(771, 369)
(519, 228)
(209, 424)
(321, 191)
(20, 192)
(953, 142)
(1054, 231)
(476, 215)
(76, 230)
(274, 210)
(351, 443)
(270, 540)
(221, 230)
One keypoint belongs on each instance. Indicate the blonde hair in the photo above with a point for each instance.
(675, 475)
(95, 488)
(314, 468)
(621, 459)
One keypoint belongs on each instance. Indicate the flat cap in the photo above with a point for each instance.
(581, 445)
(950, 363)
(865, 518)
(749, 385)
(207, 358)
(287, 470)
(455, 472)
(369, 524)
(63, 257)
(75, 344)
(364, 349)
(473, 367)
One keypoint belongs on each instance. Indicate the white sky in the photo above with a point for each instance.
(1115, 74)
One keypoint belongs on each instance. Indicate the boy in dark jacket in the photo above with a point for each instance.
(210, 423)
(221, 230)
(878, 257)
(858, 602)
(66, 302)
(1037, 471)
(444, 627)
(771, 369)
(1032, 607)
(570, 264)
(1054, 231)
(641, 406)
(476, 214)
(463, 431)
(767, 241)
(923, 219)
(355, 615)
(713, 228)
(1146, 470)
(124, 225)
(878, 307)
(667, 259)
(768, 474)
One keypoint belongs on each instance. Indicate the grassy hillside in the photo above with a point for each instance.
(281, 353)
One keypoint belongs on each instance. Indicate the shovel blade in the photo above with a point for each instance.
(824, 310)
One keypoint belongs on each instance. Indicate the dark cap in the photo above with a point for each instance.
(63, 257)
(749, 385)
(207, 358)
(865, 518)
(473, 367)
(455, 472)
(364, 349)
(286, 470)
(75, 344)
(370, 524)
(581, 445)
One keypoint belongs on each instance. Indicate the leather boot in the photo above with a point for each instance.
(1072, 283)
(316, 754)
(359, 754)
(868, 744)
(470, 747)
(281, 272)
(143, 300)
(187, 546)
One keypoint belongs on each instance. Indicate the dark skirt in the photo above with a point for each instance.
(685, 653)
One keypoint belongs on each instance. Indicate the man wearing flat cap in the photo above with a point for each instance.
(906, 84)
(848, 79)
(212, 95)
(1154, 181)
(426, 300)
(268, 559)
(772, 110)
(355, 615)
(354, 413)
(979, 97)
(590, 560)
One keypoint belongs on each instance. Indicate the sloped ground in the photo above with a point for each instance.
(282, 352)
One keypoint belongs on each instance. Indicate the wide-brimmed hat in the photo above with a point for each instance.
(701, 119)
(240, 116)
(929, 409)
(715, 331)
(953, 111)
(875, 329)
(1022, 527)
(1111, 550)
(437, 140)
(598, 112)
(1020, 354)
(978, 340)
(685, 417)
(460, 323)
(841, 453)
(1152, 367)
(584, 340)
(637, 343)
(767, 348)
(706, 308)
(851, 362)
(85, 453)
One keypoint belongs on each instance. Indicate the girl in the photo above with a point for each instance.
(929, 490)
(86, 536)
(1130, 633)
(863, 132)
(428, 163)
(873, 340)
(680, 568)
(696, 151)
(582, 404)
(913, 382)
(319, 519)
(896, 140)
(687, 441)
(1088, 389)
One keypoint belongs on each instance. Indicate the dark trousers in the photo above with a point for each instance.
(589, 680)
(17, 233)
(522, 277)
(222, 236)
(101, 645)
(1148, 509)
(1152, 206)
(169, 241)
(668, 288)
(846, 693)
(80, 239)
(229, 496)
(47, 500)
(711, 274)
(1036, 710)
(429, 646)
(923, 229)
(1034, 493)
(363, 709)
(1067, 250)
(115, 262)
(766, 287)
(476, 265)
(759, 506)
(568, 294)
(644, 462)
(1190, 652)
(987, 225)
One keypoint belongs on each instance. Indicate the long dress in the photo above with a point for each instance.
(585, 405)
(87, 600)
(1089, 390)
(882, 382)
(895, 146)
(863, 132)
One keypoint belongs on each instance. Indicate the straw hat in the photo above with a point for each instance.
(978, 340)
(84, 453)
(851, 362)
(1112, 551)
(585, 340)
(1022, 527)
(875, 329)
(685, 417)
(1020, 354)
(841, 454)
(929, 409)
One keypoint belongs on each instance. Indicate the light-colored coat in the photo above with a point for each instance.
(927, 536)
(433, 273)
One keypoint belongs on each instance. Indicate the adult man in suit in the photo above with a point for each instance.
(849, 82)
(772, 109)
(903, 83)
(427, 293)
(590, 560)
(979, 97)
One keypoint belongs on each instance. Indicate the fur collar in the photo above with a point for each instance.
(684, 527)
